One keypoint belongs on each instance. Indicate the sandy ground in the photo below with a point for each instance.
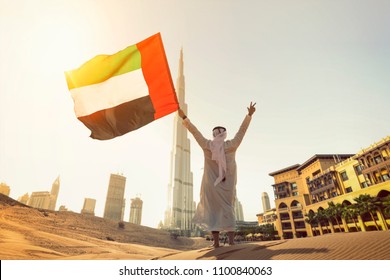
(28, 233)
(339, 246)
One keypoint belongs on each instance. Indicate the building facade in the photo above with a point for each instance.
(39, 200)
(55, 189)
(5, 189)
(115, 201)
(181, 205)
(302, 191)
(43, 199)
(89, 206)
(136, 211)
(268, 217)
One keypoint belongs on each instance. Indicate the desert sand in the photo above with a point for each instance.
(27, 234)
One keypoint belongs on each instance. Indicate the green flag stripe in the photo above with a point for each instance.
(103, 67)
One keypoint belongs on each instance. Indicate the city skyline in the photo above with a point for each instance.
(317, 70)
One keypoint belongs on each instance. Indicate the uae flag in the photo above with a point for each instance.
(115, 94)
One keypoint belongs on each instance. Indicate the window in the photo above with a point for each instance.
(295, 193)
(364, 185)
(348, 190)
(358, 169)
(344, 176)
(378, 159)
(316, 173)
(294, 186)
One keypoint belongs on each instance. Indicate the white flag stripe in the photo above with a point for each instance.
(113, 92)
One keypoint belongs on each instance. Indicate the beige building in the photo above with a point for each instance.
(40, 200)
(302, 190)
(238, 210)
(267, 217)
(89, 206)
(115, 201)
(43, 199)
(24, 198)
(55, 189)
(5, 189)
(136, 211)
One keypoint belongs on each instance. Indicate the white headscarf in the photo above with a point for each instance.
(218, 152)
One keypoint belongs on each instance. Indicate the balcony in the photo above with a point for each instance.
(375, 167)
(300, 226)
(300, 229)
(298, 217)
(322, 188)
(281, 210)
(298, 207)
(282, 193)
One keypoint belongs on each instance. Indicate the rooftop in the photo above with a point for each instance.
(292, 167)
(336, 157)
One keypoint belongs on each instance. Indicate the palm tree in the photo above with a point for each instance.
(368, 204)
(350, 212)
(335, 211)
(322, 216)
(328, 216)
(386, 205)
(311, 220)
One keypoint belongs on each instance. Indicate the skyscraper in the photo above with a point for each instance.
(89, 206)
(238, 210)
(265, 201)
(181, 205)
(136, 211)
(55, 189)
(113, 209)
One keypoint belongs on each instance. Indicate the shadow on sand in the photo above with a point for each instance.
(253, 251)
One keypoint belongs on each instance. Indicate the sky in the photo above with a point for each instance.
(318, 71)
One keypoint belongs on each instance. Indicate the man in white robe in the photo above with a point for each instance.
(215, 210)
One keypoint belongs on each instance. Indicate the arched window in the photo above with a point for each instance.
(385, 153)
(282, 205)
(346, 203)
(377, 158)
(295, 203)
(370, 161)
(383, 193)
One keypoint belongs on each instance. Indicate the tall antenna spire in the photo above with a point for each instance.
(181, 63)
(180, 84)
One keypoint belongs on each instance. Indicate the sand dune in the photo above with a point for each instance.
(27, 233)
